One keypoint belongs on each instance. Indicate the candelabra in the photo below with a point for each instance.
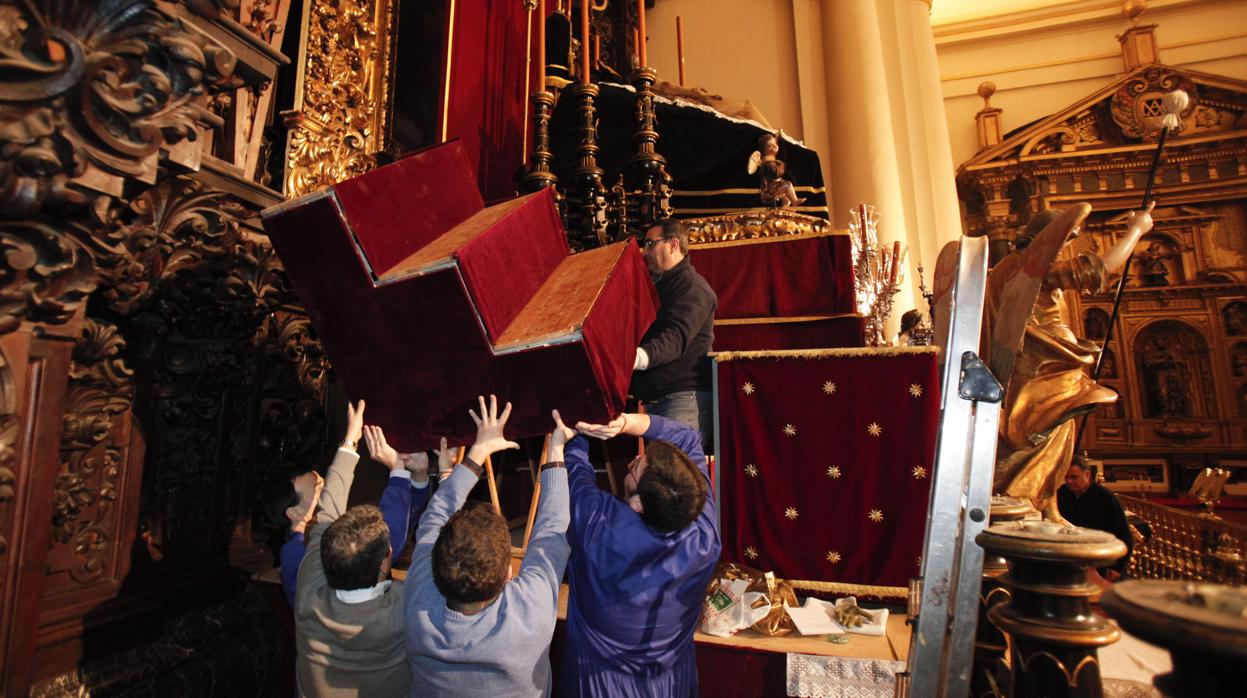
(586, 213)
(647, 169)
(877, 273)
(539, 174)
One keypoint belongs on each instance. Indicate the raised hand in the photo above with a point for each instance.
(354, 422)
(603, 431)
(445, 460)
(381, 451)
(562, 433)
(489, 428)
(417, 464)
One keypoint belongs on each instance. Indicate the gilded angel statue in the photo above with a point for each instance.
(775, 189)
(1030, 348)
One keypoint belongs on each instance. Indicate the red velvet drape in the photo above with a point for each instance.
(826, 464)
(485, 103)
(779, 277)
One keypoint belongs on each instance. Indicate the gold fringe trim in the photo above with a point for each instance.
(850, 589)
(757, 240)
(780, 320)
(740, 190)
(847, 352)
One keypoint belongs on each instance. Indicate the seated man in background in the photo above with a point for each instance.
(1084, 502)
(639, 568)
(402, 501)
(348, 613)
(472, 629)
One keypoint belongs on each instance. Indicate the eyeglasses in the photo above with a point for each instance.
(646, 244)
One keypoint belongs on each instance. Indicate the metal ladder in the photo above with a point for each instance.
(941, 648)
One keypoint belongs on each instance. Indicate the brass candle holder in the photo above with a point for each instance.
(647, 169)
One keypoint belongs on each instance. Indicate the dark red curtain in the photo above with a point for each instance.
(779, 277)
(826, 462)
(485, 103)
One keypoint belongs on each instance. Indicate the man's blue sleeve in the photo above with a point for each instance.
(292, 552)
(395, 507)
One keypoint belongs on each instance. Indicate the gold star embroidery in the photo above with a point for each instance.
(790, 430)
(833, 472)
(833, 557)
(791, 513)
(919, 472)
(829, 387)
(747, 388)
(751, 470)
(875, 515)
(915, 390)
(874, 429)
(751, 553)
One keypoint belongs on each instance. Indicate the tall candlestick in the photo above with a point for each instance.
(541, 45)
(597, 49)
(636, 45)
(679, 45)
(640, 23)
(584, 41)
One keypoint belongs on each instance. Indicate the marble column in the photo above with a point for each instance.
(888, 131)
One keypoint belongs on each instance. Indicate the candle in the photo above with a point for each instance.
(679, 45)
(636, 45)
(640, 23)
(597, 49)
(541, 45)
(584, 41)
(896, 256)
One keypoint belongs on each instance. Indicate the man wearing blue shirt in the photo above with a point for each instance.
(639, 567)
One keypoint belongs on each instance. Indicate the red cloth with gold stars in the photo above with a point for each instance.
(825, 463)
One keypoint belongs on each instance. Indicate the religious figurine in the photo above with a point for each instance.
(1032, 350)
(1155, 273)
(776, 191)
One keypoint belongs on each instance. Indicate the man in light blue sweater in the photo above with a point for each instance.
(472, 629)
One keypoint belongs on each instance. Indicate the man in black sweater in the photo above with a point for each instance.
(1089, 504)
(672, 371)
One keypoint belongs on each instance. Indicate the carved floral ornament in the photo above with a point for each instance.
(1136, 105)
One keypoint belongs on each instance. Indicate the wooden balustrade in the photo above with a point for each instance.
(1185, 545)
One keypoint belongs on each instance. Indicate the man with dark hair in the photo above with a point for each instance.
(639, 568)
(348, 614)
(472, 629)
(1085, 502)
(672, 369)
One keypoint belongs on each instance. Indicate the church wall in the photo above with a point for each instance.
(1042, 60)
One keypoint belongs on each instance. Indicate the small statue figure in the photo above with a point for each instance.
(776, 191)
(1155, 273)
(914, 331)
(1033, 351)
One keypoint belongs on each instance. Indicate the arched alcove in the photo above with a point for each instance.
(1095, 323)
(1172, 362)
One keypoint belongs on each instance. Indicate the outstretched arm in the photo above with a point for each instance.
(341, 474)
(548, 550)
(1139, 223)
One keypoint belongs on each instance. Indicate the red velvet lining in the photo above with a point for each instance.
(816, 334)
(779, 277)
(397, 209)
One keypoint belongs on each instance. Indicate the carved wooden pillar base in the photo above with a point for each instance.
(1202, 625)
(647, 169)
(1054, 634)
(990, 644)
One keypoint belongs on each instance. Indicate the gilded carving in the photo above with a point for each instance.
(754, 225)
(1136, 104)
(341, 120)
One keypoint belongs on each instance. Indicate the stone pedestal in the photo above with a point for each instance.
(1202, 625)
(1054, 635)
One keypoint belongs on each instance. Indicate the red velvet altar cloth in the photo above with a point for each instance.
(791, 276)
(423, 300)
(826, 462)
